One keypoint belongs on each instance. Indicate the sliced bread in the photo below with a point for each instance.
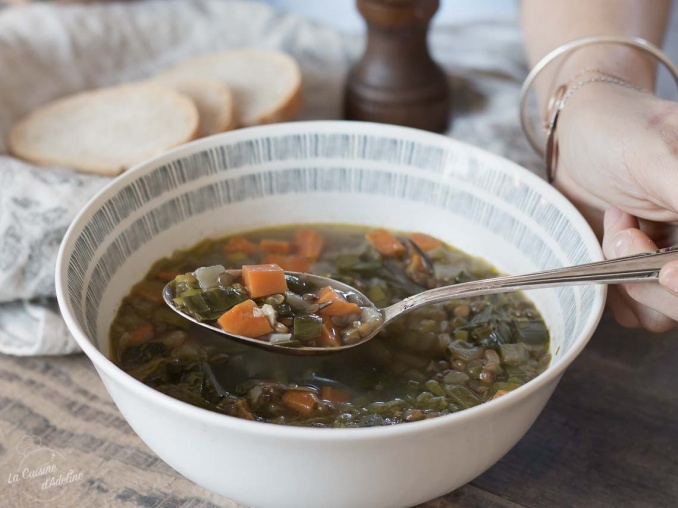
(213, 100)
(266, 84)
(105, 131)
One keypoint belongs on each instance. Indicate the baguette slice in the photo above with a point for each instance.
(266, 84)
(213, 100)
(105, 131)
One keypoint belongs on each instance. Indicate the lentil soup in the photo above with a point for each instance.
(434, 361)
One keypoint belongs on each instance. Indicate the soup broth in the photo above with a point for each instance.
(434, 361)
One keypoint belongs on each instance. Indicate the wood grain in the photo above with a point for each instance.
(608, 437)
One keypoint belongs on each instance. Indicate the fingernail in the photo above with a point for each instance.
(612, 215)
(623, 241)
(669, 279)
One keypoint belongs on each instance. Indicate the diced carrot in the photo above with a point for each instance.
(309, 243)
(167, 275)
(275, 259)
(339, 307)
(336, 395)
(329, 337)
(141, 333)
(499, 394)
(275, 246)
(290, 263)
(149, 289)
(300, 401)
(243, 320)
(425, 242)
(264, 280)
(297, 264)
(240, 244)
(385, 243)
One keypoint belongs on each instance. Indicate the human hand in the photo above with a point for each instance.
(619, 152)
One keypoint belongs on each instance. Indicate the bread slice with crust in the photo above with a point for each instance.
(213, 100)
(266, 84)
(107, 130)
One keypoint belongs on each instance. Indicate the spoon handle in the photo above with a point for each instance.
(639, 268)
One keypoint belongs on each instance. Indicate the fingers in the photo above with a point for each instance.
(621, 310)
(652, 306)
(668, 277)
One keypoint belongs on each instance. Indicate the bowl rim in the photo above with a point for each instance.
(111, 370)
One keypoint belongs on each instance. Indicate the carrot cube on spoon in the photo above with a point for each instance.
(264, 280)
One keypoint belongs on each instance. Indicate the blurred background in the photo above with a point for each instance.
(343, 15)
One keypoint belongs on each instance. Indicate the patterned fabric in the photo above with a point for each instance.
(37, 206)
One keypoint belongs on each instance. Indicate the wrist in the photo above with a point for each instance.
(631, 64)
(565, 99)
(624, 63)
(544, 68)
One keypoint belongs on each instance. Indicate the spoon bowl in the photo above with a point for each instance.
(315, 280)
(639, 268)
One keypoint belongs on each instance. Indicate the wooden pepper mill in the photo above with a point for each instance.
(396, 81)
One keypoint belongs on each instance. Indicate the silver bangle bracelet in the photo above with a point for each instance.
(568, 47)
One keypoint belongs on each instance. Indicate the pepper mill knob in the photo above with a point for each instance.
(396, 81)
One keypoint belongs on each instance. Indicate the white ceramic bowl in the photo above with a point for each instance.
(354, 173)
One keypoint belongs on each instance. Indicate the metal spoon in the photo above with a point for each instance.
(639, 268)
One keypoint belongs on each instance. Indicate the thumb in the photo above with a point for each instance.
(622, 235)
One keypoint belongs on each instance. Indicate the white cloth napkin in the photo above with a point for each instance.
(48, 51)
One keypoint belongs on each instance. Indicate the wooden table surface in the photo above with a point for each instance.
(608, 437)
